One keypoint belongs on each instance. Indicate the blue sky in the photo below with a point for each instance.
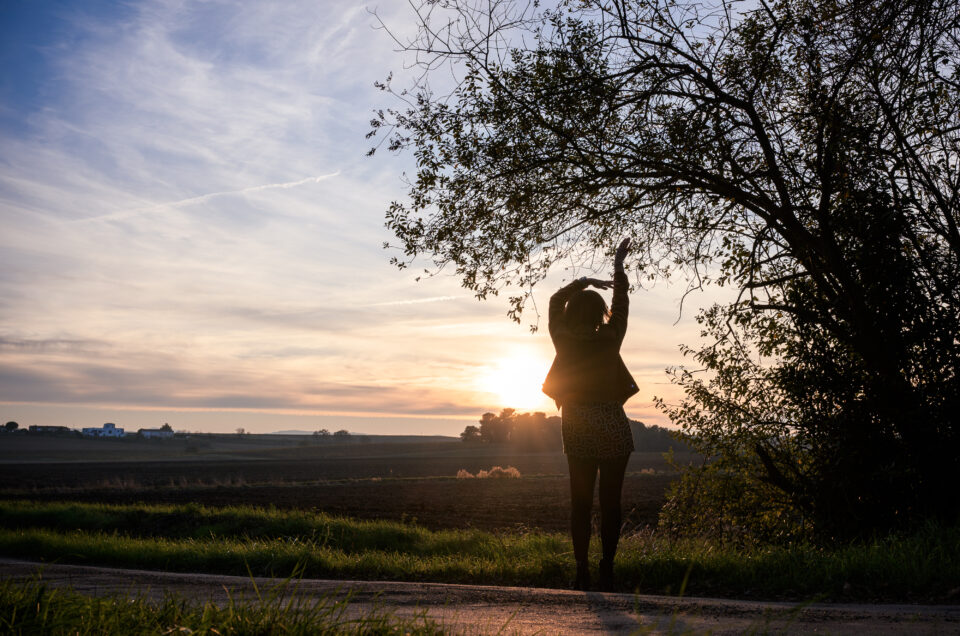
(192, 233)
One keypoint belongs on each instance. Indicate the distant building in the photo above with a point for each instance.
(155, 433)
(49, 429)
(107, 430)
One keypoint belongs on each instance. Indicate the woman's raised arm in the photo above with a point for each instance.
(620, 307)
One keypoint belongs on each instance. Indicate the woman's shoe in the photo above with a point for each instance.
(606, 575)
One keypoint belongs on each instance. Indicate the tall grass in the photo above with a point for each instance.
(520, 562)
(198, 539)
(922, 566)
(192, 521)
(33, 608)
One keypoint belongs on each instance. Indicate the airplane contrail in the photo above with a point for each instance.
(204, 197)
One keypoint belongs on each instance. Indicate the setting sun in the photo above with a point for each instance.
(516, 382)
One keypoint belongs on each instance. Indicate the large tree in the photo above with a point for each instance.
(806, 153)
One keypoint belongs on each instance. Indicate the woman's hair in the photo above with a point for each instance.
(585, 311)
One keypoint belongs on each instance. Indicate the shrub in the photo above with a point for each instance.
(497, 472)
(500, 473)
(729, 506)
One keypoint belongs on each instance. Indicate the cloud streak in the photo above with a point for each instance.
(203, 198)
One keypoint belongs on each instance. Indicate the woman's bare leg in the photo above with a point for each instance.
(583, 473)
(611, 485)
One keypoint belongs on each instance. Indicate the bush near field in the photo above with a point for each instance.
(496, 472)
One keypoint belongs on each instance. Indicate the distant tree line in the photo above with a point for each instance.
(536, 431)
(527, 430)
(655, 438)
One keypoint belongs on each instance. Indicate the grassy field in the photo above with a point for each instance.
(920, 567)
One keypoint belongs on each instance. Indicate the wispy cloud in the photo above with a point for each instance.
(203, 198)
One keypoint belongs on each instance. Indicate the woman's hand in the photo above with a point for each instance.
(621, 254)
(596, 282)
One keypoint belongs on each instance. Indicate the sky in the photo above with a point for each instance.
(191, 233)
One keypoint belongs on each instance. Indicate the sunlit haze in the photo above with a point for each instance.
(192, 234)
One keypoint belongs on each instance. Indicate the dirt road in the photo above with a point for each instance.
(485, 610)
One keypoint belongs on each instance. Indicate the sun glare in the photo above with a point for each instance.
(516, 382)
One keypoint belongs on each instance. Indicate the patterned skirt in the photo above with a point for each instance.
(600, 431)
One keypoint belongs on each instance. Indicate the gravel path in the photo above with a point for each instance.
(478, 609)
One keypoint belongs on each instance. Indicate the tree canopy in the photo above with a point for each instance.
(527, 430)
(805, 152)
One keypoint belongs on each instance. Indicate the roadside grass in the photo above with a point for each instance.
(920, 567)
(923, 566)
(34, 608)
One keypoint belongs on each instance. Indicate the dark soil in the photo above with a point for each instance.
(393, 486)
(489, 504)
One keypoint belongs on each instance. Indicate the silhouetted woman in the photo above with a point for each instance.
(590, 384)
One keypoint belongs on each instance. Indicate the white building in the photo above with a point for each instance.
(154, 433)
(107, 430)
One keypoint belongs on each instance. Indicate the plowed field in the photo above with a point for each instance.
(388, 481)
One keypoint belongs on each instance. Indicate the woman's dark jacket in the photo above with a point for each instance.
(588, 367)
